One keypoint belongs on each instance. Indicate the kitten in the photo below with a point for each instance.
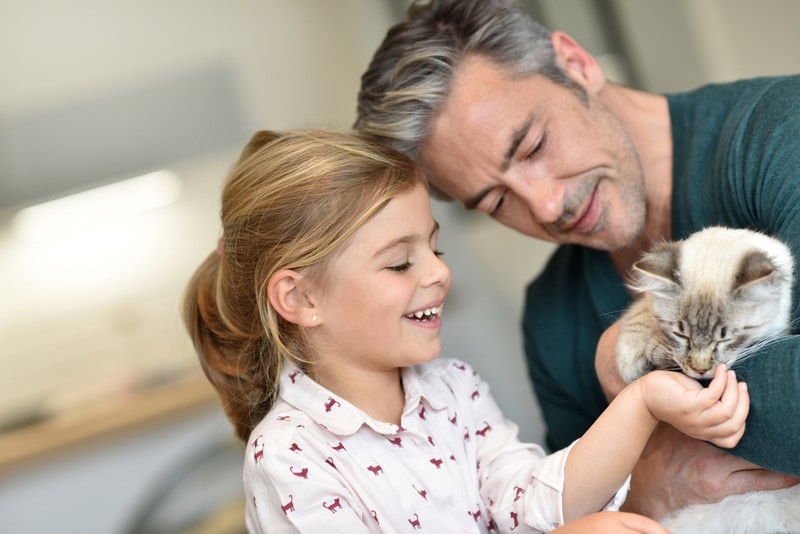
(712, 298)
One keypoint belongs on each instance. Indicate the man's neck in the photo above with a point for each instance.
(646, 118)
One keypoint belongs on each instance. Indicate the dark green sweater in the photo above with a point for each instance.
(736, 162)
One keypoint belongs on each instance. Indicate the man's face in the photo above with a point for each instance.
(534, 156)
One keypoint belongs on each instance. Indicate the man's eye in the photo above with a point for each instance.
(401, 267)
(536, 149)
(498, 205)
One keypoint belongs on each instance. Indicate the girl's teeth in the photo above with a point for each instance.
(425, 313)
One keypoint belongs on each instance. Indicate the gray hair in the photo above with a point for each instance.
(410, 75)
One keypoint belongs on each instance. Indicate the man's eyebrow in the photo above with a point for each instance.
(412, 238)
(514, 141)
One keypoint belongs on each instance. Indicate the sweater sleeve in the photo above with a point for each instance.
(765, 163)
(772, 435)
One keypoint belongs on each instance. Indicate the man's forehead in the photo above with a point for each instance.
(452, 162)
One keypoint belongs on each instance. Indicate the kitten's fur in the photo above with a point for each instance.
(712, 298)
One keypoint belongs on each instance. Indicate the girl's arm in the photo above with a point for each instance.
(604, 457)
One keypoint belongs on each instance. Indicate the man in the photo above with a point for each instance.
(512, 120)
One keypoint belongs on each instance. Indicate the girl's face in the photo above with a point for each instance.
(380, 309)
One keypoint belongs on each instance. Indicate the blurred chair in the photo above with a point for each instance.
(204, 495)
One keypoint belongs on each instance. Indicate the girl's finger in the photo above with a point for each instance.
(716, 388)
(730, 396)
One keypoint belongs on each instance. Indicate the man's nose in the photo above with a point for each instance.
(544, 198)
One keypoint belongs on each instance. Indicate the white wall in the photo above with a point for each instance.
(679, 45)
(88, 316)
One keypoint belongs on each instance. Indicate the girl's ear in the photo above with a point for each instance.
(577, 63)
(285, 291)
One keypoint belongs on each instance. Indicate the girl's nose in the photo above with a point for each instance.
(439, 271)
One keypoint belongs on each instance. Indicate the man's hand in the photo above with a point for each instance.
(612, 523)
(605, 362)
(676, 470)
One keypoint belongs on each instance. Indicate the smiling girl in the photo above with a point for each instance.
(317, 320)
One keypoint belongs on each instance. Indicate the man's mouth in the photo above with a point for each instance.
(426, 315)
(588, 218)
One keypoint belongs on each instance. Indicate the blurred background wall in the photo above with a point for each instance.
(95, 92)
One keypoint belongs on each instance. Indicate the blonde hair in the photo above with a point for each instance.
(291, 201)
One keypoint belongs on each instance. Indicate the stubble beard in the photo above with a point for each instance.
(611, 233)
(633, 210)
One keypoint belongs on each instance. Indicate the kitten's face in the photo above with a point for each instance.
(702, 334)
(717, 296)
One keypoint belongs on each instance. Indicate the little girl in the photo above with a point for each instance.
(317, 320)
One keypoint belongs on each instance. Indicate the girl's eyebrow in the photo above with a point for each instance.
(406, 239)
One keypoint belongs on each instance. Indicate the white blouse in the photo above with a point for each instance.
(317, 463)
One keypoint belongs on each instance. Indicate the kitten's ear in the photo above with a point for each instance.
(756, 275)
(658, 269)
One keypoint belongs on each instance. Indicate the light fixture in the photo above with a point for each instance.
(88, 209)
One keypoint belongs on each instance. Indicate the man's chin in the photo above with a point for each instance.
(607, 241)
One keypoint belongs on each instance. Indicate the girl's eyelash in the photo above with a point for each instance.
(400, 268)
(407, 264)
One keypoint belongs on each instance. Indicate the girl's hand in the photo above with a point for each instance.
(715, 413)
(612, 523)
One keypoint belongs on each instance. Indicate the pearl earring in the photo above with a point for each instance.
(314, 317)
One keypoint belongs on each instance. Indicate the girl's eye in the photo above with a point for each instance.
(400, 268)
(438, 253)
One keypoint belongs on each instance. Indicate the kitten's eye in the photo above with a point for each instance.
(723, 332)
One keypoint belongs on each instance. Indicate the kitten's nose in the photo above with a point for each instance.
(700, 362)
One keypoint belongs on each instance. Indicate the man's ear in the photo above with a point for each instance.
(577, 63)
(286, 293)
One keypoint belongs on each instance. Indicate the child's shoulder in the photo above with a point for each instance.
(282, 424)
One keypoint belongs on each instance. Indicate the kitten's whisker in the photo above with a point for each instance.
(663, 357)
(758, 345)
(793, 323)
(614, 314)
